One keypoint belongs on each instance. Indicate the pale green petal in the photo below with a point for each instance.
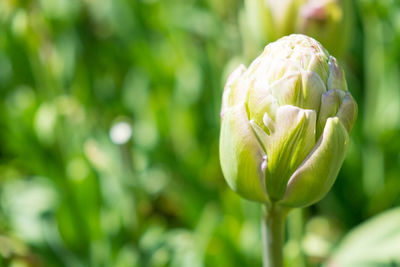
(262, 136)
(280, 68)
(316, 175)
(312, 89)
(318, 65)
(229, 97)
(330, 102)
(301, 89)
(241, 155)
(288, 89)
(260, 101)
(348, 112)
(287, 146)
(269, 123)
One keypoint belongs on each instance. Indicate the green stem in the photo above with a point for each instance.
(295, 235)
(272, 230)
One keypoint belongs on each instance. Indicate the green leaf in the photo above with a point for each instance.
(373, 243)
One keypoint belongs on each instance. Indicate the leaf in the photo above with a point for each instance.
(373, 243)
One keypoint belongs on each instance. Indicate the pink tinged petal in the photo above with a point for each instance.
(231, 82)
(314, 10)
(317, 173)
(287, 146)
(241, 155)
(264, 164)
(336, 78)
(348, 112)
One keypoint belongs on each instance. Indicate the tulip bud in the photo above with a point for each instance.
(328, 21)
(285, 123)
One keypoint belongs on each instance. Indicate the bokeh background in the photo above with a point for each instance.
(109, 125)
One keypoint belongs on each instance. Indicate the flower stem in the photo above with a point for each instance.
(272, 230)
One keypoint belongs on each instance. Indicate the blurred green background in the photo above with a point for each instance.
(109, 124)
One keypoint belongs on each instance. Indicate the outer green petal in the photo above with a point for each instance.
(330, 102)
(316, 175)
(347, 112)
(287, 146)
(241, 155)
(318, 66)
(336, 78)
(229, 96)
(312, 89)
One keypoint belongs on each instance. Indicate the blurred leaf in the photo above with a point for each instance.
(374, 243)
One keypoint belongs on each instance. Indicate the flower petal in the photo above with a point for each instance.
(336, 78)
(287, 146)
(241, 155)
(316, 175)
(330, 102)
(302, 89)
(312, 89)
(230, 87)
(260, 102)
(318, 66)
(287, 90)
(347, 112)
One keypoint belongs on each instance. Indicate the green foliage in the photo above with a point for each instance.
(74, 193)
(374, 243)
